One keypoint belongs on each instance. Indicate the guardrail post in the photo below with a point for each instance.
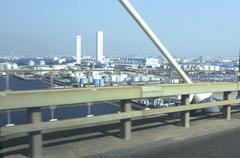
(125, 124)
(35, 138)
(185, 115)
(51, 80)
(7, 82)
(226, 108)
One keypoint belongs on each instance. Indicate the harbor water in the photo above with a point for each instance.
(60, 113)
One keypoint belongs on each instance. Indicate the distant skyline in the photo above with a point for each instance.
(187, 28)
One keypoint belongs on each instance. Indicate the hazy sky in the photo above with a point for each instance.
(186, 27)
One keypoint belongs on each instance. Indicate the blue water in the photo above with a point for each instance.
(17, 84)
(65, 112)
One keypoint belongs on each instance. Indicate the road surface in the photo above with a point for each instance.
(220, 145)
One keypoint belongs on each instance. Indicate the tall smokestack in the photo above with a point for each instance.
(99, 55)
(78, 49)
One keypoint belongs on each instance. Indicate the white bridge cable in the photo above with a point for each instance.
(154, 38)
(140, 21)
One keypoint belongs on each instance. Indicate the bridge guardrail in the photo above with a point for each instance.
(34, 100)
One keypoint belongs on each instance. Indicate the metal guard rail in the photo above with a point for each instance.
(40, 98)
(34, 100)
(86, 122)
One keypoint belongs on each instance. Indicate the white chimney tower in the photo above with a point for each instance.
(78, 49)
(100, 57)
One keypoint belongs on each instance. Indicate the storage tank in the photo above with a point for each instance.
(96, 82)
(90, 80)
(101, 83)
(81, 82)
(136, 79)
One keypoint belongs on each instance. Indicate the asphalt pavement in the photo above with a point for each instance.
(221, 145)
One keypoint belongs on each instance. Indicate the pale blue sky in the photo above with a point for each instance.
(186, 27)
